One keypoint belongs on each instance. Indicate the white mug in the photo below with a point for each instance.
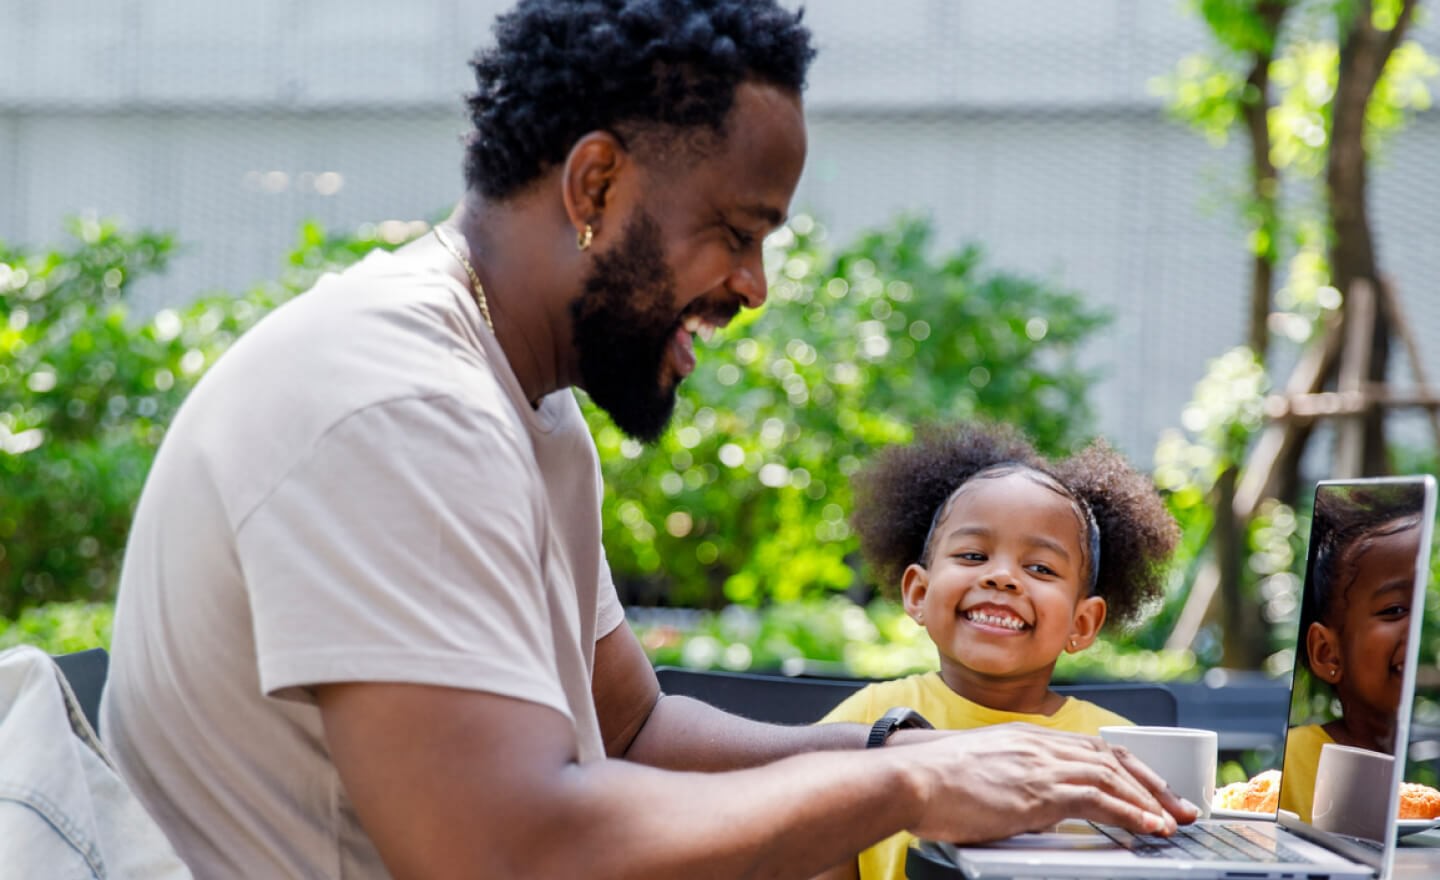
(1184, 757)
(1352, 791)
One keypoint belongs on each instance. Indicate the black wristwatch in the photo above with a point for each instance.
(899, 718)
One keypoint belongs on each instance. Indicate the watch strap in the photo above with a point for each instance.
(898, 718)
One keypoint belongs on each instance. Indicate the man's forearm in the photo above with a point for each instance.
(686, 734)
(792, 819)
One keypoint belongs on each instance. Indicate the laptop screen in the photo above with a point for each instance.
(1363, 600)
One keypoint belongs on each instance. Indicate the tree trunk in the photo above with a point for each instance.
(1244, 644)
(1364, 50)
(1264, 180)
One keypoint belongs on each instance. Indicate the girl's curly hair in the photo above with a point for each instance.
(899, 496)
(561, 68)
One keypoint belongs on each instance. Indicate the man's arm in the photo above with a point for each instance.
(678, 733)
(458, 783)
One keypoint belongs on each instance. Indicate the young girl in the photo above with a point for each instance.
(1006, 559)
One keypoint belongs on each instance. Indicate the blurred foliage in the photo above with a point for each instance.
(1209, 92)
(1217, 427)
(60, 627)
(745, 499)
(87, 389)
(834, 636)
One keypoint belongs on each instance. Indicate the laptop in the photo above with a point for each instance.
(1370, 543)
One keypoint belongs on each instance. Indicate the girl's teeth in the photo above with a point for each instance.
(993, 620)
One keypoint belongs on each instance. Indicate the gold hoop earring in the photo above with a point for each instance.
(587, 235)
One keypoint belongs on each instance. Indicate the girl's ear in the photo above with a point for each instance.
(1323, 645)
(1085, 624)
(913, 586)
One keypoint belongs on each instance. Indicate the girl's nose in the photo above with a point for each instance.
(999, 578)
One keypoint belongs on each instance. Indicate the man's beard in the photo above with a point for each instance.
(624, 322)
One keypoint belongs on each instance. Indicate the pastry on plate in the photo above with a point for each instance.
(1258, 795)
(1419, 801)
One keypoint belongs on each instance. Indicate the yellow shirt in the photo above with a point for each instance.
(1302, 762)
(930, 696)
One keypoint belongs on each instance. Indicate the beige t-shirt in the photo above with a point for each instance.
(357, 491)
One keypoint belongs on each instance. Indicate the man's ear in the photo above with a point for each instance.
(1085, 623)
(913, 586)
(587, 179)
(1322, 644)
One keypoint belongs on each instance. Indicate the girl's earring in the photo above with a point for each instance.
(587, 235)
(920, 618)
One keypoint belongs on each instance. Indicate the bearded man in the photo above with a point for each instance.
(365, 625)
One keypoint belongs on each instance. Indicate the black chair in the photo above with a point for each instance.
(778, 699)
(86, 671)
(782, 699)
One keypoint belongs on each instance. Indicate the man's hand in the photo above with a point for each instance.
(993, 782)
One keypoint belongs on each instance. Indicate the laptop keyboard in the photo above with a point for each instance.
(1206, 842)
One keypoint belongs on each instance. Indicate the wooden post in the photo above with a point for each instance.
(1354, 362)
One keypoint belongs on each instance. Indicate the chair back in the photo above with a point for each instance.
(1148, 704)
(778, 699)
(781, 699)
(86, 671)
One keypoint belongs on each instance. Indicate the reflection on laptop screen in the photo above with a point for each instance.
(1363, 598)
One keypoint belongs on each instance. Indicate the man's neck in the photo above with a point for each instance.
(527, 277)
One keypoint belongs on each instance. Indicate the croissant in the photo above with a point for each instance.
(1258, 795)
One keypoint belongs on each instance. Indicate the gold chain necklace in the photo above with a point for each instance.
(477, 288)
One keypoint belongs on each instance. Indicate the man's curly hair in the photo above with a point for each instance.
(562, 68)
(905, 491)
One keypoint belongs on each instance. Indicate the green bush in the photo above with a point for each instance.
(61, 627)
(745, 499)
(87, 390)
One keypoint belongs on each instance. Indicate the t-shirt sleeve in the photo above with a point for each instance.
(609, 613)
(405, 548)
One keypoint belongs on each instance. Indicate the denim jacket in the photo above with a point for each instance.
(64, 810)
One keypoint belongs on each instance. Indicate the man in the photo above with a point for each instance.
(365, 623)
